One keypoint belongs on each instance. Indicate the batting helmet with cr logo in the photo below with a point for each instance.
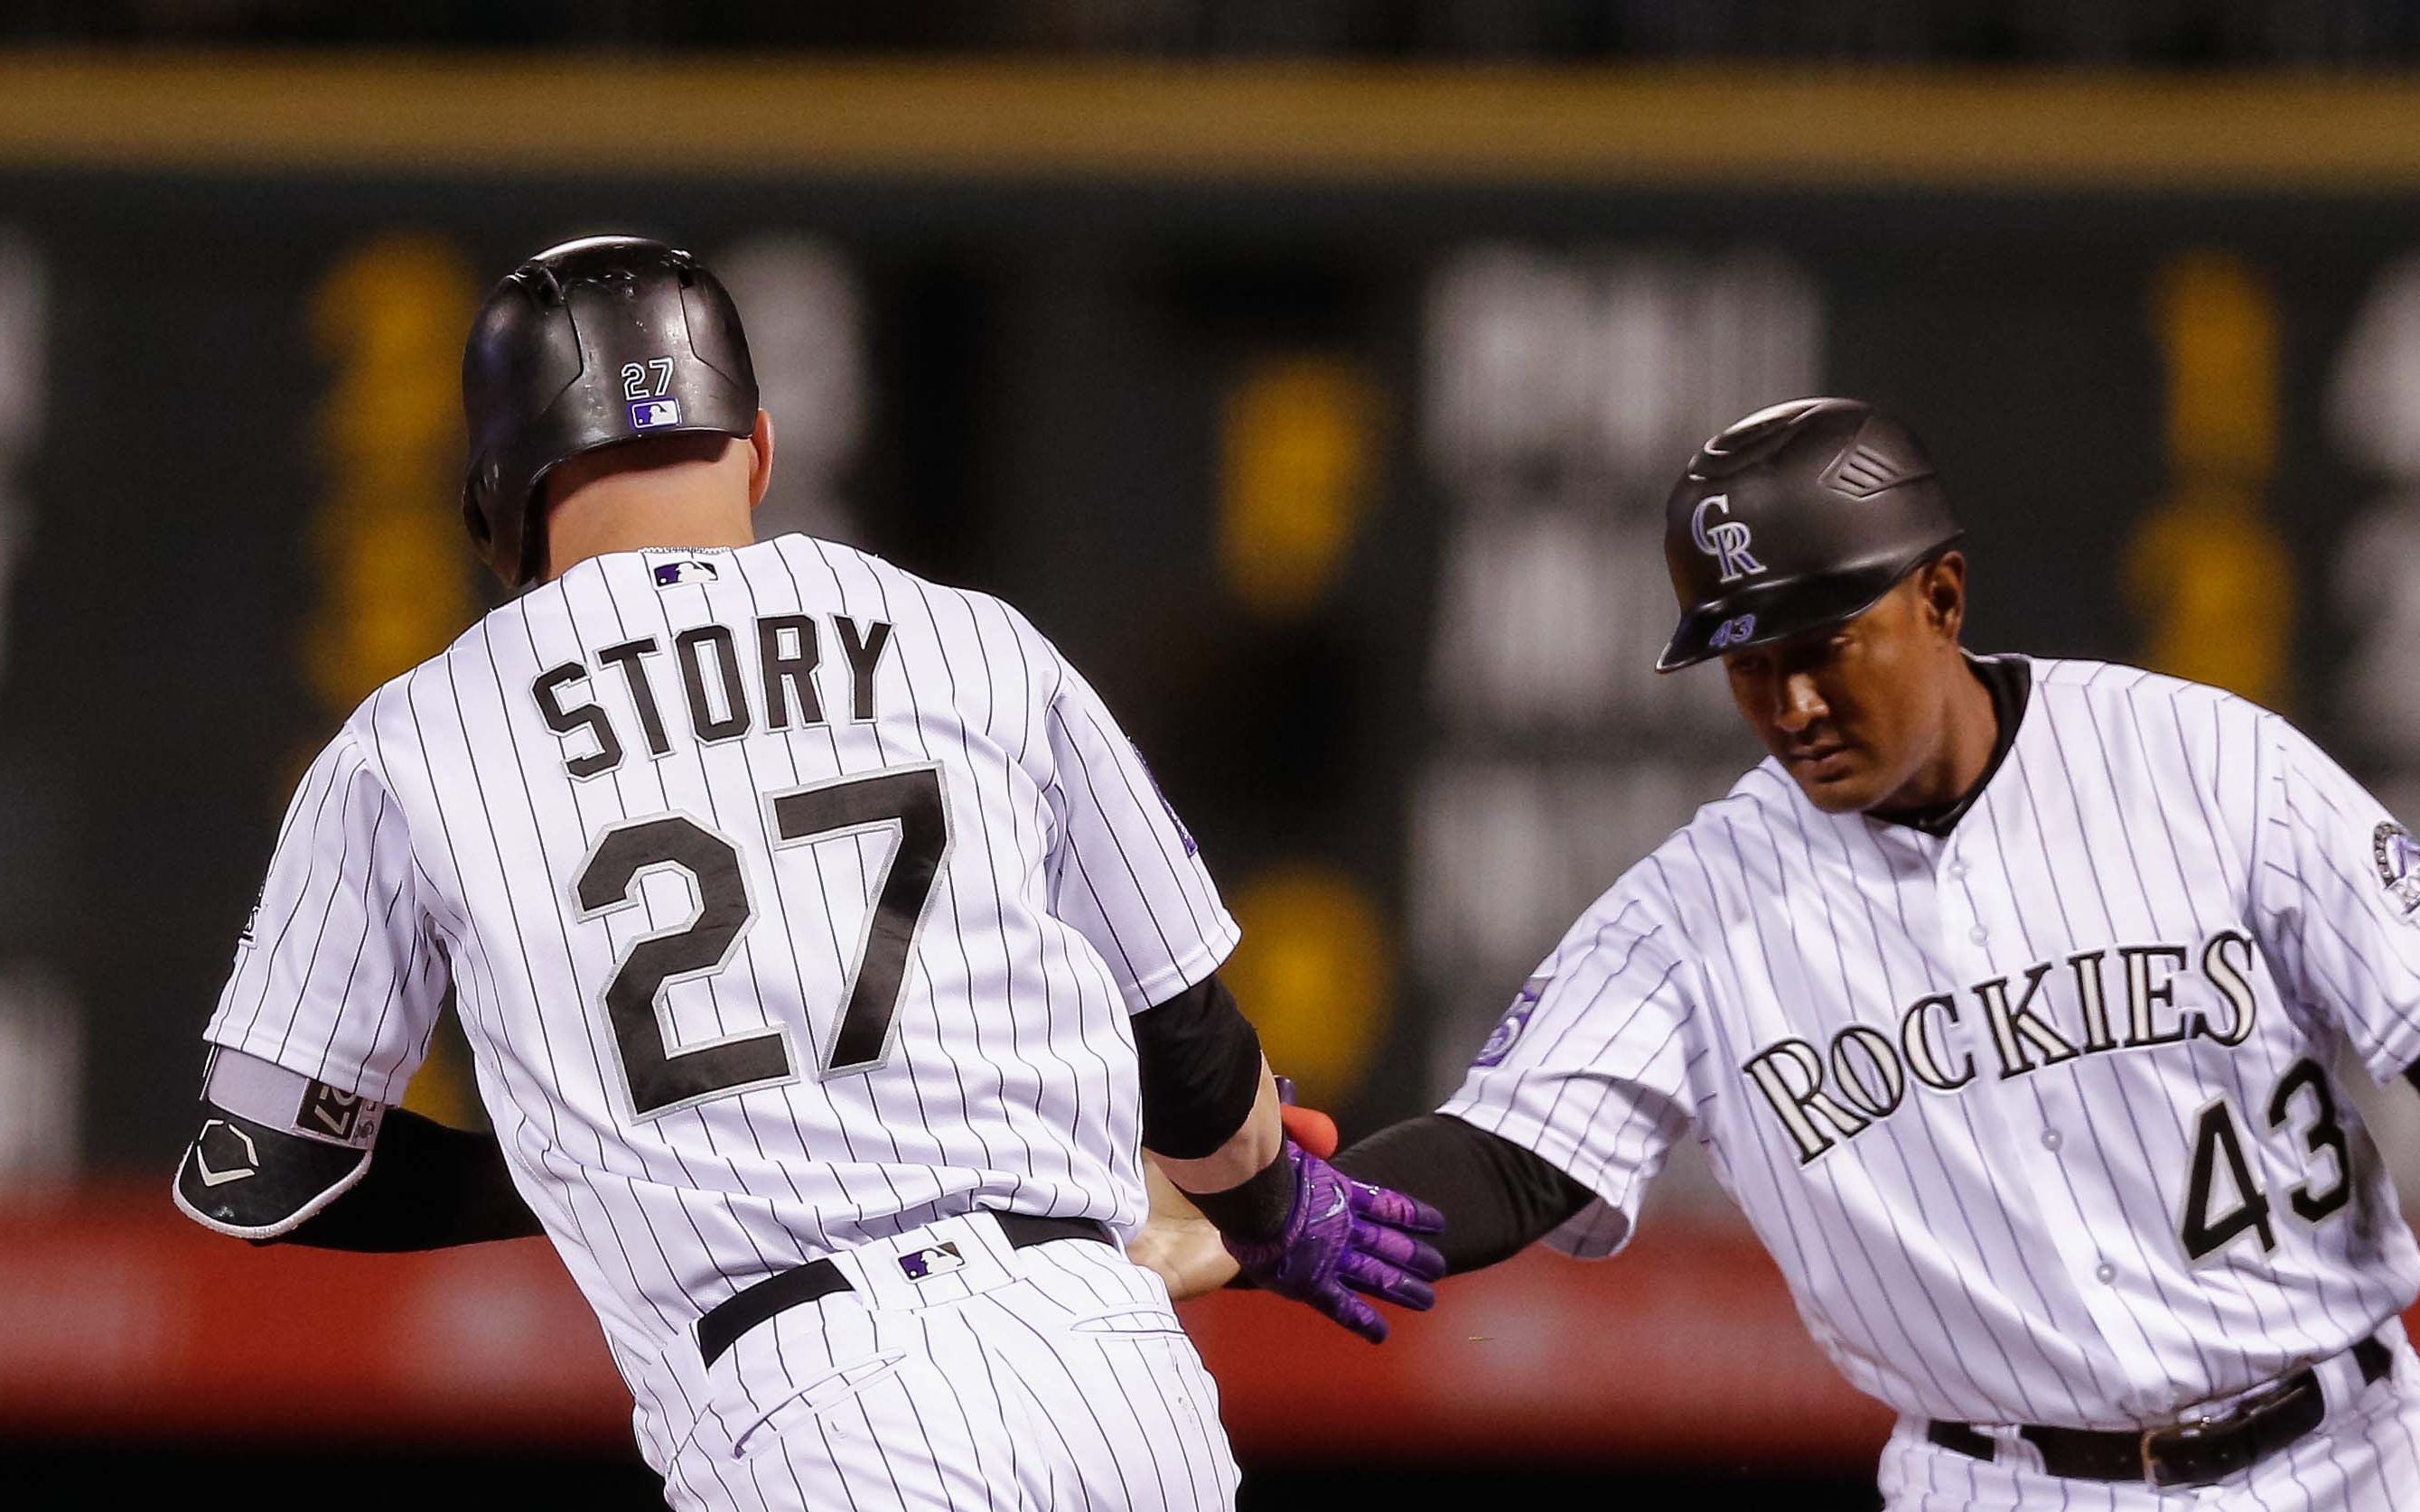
(1800, 516)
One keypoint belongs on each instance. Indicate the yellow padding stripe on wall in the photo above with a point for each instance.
(1256, 123)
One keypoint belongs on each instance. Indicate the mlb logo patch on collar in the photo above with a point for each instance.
(685, 570)
(932, 1260)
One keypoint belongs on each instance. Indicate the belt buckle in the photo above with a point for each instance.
(2171, 1433)
(2191, 1431)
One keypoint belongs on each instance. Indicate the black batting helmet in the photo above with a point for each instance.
(1800, 516)
(590, 344)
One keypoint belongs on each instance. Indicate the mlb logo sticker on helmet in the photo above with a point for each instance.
(655, 414)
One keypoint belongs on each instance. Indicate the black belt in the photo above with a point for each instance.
(720, 1328)
(2182, 1453)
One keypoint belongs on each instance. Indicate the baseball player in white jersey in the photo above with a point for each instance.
(2006, 998)
(827, 953)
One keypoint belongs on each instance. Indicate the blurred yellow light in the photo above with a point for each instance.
(393, 565)
(1298, 460)
(2217, 585)
(387, 538)
(1313, 974)
(2218, 326)
(2207, 568)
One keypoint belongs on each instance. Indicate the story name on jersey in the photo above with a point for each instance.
(721, 700)
(1939, 1048)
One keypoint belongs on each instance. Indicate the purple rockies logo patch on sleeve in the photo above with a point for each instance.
(2398, 856)
(1507, 1032)
(1192, 846)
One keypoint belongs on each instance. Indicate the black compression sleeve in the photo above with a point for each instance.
(1497, 1198)
(428, 1187)
(1201, 1065)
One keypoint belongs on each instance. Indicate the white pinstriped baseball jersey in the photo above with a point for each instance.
(2038, 1116)
(789, 901)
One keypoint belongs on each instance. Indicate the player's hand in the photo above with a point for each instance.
(1177, 1243)
(1344, 1240)
(1182, 1247)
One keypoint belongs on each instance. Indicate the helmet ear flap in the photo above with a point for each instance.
(533, 563)
(496, 535)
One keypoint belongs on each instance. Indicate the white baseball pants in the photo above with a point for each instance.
(1050, 1378)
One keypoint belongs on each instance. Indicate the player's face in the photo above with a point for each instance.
(1853, 711)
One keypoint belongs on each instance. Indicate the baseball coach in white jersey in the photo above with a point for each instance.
(828, 957)
(2006, 996)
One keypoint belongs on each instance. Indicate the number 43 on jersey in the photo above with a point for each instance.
(2217, 1139)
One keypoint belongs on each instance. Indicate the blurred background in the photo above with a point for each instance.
(1312, 371)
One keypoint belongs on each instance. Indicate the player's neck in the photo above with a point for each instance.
(637, 510)
(1970, 729)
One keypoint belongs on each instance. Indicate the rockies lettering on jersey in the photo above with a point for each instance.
(791, 903)
(1870, 1077)
(2037, 1117)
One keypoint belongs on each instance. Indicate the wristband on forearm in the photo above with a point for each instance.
(1256, 1211)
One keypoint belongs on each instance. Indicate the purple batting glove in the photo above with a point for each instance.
(1343, 1237)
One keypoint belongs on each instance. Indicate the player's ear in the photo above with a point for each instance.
(1942, 588)
(760, 470)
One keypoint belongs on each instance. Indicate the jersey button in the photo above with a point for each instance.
(1957, 871)
(2051, 1139)
(2104, 1272)
(1979, 935)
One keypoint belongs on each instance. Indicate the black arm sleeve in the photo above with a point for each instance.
(428, 1187)
(2411, 1074)
(1200, 1064)
(1497, 1198)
